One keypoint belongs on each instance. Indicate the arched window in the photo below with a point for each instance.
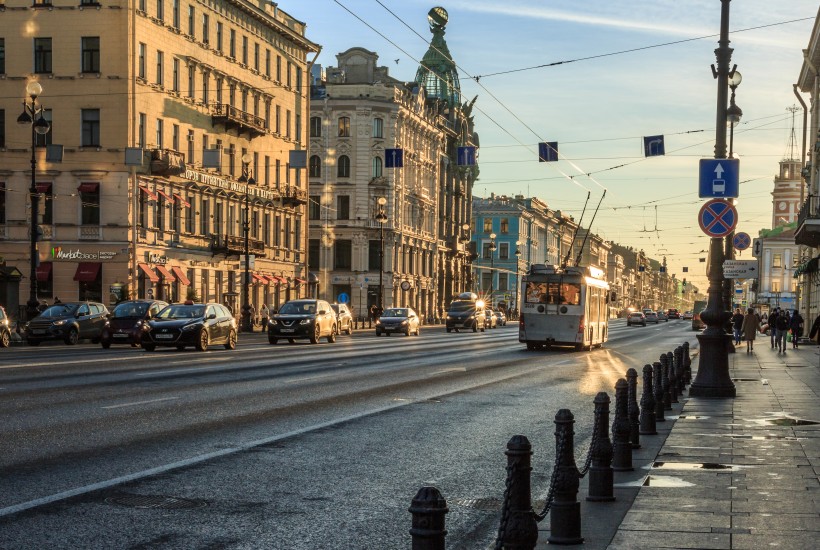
(343, 167)
(315, 126)
(377, 167)
(344, 126)
(315, 167)
(378, 128)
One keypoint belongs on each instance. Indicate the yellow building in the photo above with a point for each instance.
(155, 104)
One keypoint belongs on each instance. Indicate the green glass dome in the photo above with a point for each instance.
(437, 72)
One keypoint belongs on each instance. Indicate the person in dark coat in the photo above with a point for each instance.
(749, 329)
(814, 333)
(782, 326)
(772, 322)
(737, 325)
(796, 327)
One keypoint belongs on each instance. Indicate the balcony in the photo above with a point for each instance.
(233, 245)
(231, 117)
(167, 162)
(293, 196)
(808, 223)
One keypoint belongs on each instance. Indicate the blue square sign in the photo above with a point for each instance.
(719, 178)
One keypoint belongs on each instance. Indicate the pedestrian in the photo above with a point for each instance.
(57, 300)
(737, 325)
(264, 313)
(373, 312)
(749, 329)
(782, 328)
(796, 327)
(772, 323)
(814, 334)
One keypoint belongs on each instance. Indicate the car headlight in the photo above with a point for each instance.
(378, 322)
(58, 323)
(404, 323)
(272, 322)
(146, 327)
(138, 324)
(305, 321)
(192, 326)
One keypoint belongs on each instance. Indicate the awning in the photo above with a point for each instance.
(299, 281)
(89, 187)
(87, 272)
(166, 195)
(180, 275)
(259, 278)
(807, 267)
(43, 187)
(148, 192)
(269, 279)
(149, 273)
(166, 274)
(44, 271)
(181, 200)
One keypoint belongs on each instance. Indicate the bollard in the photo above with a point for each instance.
(621, 447)
(680, 369)
(687, 363)
(518, 529)
(633, 413)
(657, 373)
(565, 512)
(647, 417)
(673, 378)
(601, 487)
(428, 509)
(667, 399)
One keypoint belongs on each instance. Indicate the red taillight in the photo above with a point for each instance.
(521, 320)
(581, 325)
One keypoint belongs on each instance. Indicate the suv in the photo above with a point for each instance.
(124, 325)
(466, 312)
(344, 319)
(5, 329)
(303, 319)
(69, 322)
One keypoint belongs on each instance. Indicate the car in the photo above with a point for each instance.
(124, 325)
(190, 324)
(467, 312)
(302, 319)
(500, 317)
(398, 319)
(651, 317)
(490, 320)
(636, 318)
(673, 313)
(5, 329)
(69, 322)
(344, 319)
(662, 316)
(687, 315)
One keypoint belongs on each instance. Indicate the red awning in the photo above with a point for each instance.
(298, 281)
(87, 272)
(281, 280)
(89, 187)
(180, 275)
(44, 271)
(43, 187)
(149, 273)
(148, 192)
(181, 200)
(258, 278)
(166, 274)
(269, 279)
(166, 195)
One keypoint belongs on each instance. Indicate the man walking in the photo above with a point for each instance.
(772, 325)
(796, 327)
(782, 326)
(737, 325)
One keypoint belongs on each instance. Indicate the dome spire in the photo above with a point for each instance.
(437, 72)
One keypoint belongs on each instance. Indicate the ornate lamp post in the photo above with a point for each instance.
(246, 324)
(381, 217)
(492, 265)
(517, 281)
(465, 239)
(733, 115)
(33, 116)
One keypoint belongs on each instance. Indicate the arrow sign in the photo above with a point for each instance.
(719, 178)
(740, 269)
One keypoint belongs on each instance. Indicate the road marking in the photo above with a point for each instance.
(317, 377)
(139, 403)
(154, 373)
(445, 371)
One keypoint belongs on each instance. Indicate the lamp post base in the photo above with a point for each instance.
(713, 378)
(245, 324)
(32, 309)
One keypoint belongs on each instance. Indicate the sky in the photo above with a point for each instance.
(598, 100)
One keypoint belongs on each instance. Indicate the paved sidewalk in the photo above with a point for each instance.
(737, 473)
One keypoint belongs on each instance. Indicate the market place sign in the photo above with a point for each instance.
(233, 186)
(57, 253)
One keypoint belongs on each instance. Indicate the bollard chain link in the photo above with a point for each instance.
(593, 445)
(505, 508)
(559, 450)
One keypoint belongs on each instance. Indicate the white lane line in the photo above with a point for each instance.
(139, 403)
(445, 371)
(193, 369)
(317, 377)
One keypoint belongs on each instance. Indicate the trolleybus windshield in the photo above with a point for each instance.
(553, 293)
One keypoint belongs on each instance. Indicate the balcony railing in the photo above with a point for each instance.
(167, 162)
(293, 196)
(231, 117)
(90, 232)
(808, 223)
(234, 245)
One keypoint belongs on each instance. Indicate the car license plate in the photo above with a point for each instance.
(38, 331)
(164, 336)
(121, 335)
(288, 330)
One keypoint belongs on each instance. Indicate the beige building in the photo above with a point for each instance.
(196, 85)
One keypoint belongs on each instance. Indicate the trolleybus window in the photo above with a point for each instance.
(553, 293)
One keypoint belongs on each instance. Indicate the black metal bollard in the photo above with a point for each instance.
(667, 399)
(518, 529)
(601, 487)
(428, 509)
(681, 370)
(657, 372)
(687, 363)
(622, 448)
(647, 416)
(673, 378)
(632, 408)
(565, 513)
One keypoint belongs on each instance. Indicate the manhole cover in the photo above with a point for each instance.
(792, 422)
(155, 501)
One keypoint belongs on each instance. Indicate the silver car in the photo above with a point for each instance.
(398, 319)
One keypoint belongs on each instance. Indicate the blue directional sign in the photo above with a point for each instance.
(465, 156)
(343, 298)
(653, 146)
(719, 178)
(742, 241)
(548, 151)
(717, 218)
(394, 158)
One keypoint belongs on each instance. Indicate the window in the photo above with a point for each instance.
(342, 254)
(175, 78)
(245, 50)
(232, 44)
(2, 55)
(343, 167)
(90, 210)
(206, 76)
(504, 251)
(287, 123)
(141, 121)
(191, 20)
(775, 286)
(344, 126)
(313, 254)
(315, 126)
(298, 127)
(488, 225)
(90, 128)
(343, 207)
(48, 201)
(373, 250)
(279, 68)
(160, 67)
(90, 54)
(206, 36)
(42, 55)
(314, 208)
(2, 202)
(487, 251)
(287, 75)
(315, 167)
(256, 56)
(267, 170)
(377, 167)
(191, 84)
(378, 128)
(278, 174)
(141, 61)
(505, 225)
(219, 36)
(777, 260)
(278, 121)
(298, 80)
(175, 9)
(159, 214)
(205, 217)
(160, 134)
(160, 10)
(219, 90)
(267, 63)
(503, 284)
(175, 137)
(3, 128)
(43, 140)
(190, 159)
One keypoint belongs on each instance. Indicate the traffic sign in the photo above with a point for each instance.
(465, 156)
(742, 241)
(740, 269)
(719, 178)
(343, 298)
(717, 218)
(394, 158)
(757, 248)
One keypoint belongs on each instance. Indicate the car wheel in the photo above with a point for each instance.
(5, 339)
(449, 330)
(291, 341)
(378, 333)
(475, 327)
(332, 337)
(272, 340)
(317, 333)
(105, 343)
(349, 331)
(149, 347)
(230, 343)
(72, 337)
(530, 346)
(483, 329)
(407, 331)
(203, 340)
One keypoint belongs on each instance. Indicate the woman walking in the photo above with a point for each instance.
(749, 329)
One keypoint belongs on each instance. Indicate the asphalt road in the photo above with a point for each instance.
(292, 446)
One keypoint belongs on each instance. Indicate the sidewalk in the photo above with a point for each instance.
(736, 473)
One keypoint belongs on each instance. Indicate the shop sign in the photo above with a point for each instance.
(154, 258)
(236, 187)
(57, 253)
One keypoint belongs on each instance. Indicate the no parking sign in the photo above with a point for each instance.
(717, 218)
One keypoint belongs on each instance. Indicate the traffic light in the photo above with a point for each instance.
(683, 285)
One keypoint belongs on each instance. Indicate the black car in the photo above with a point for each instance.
(124, 325)
(5, 329)
(303, 319)
(69, 322)
(198, 325)
(344, 319)
(466, 312)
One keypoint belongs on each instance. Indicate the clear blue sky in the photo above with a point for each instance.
(598, 109)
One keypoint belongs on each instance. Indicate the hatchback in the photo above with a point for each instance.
(500, 318)
(344, 319)
(398, 319)
(651, 317)
(662, 316)
(198, 325)
(490, 320)
(124, 325)
(303, 319)
(69, 322)
(636, 318)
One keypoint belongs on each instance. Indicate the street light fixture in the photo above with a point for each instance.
(517, 265)
(733, 115)
(465, 238)
(246, 324)
(381, 217)
(492, 265)
(33, 116)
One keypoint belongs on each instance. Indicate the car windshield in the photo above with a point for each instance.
(60, 310)
(461, 307)
(130, 309)
(395, 312)
(298, 308)
(182, 312)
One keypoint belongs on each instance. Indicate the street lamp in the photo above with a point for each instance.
(733, 115)
(33, 116)
(381, 217)
(517, 265)
(465, 238)
(492, 265)
(246, 324)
